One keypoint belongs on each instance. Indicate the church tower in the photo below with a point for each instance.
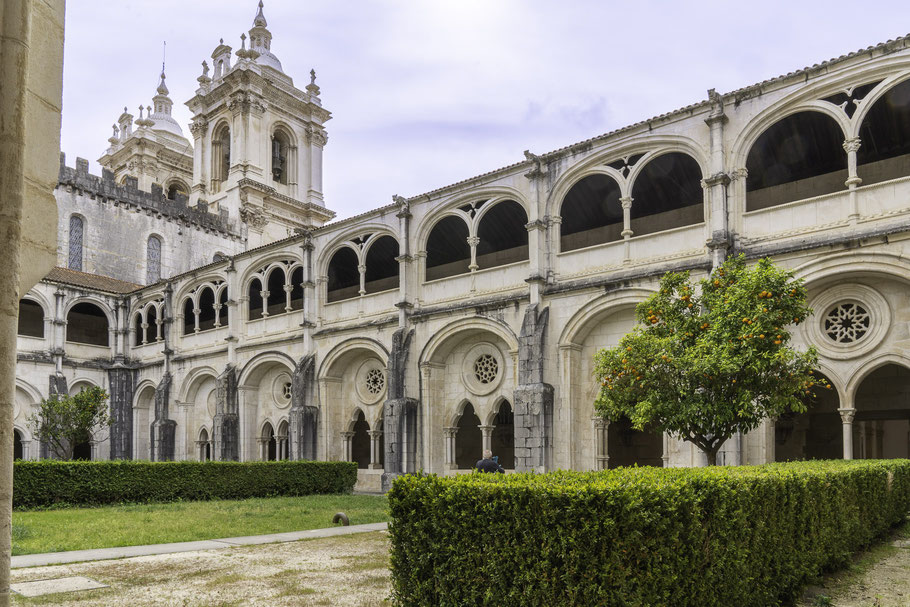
(258, 141)
(155, 154)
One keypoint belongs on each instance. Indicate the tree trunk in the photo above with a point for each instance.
(711, 456)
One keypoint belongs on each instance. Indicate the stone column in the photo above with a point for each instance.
(346, 439)
(121, 384)
(450, 433)
(375, 453)
(473, 241)
(851, 146)
(846, 416)
(304, 415)
(601, 453)
(399, 413)
(164, 430)
(533, 399)
(715, 184)
(486, 434)
(626, 202)
(226, 423)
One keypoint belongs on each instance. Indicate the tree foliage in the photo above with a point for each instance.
(64, 422)
(706, 362)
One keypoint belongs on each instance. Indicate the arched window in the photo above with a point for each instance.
(281, 147)
(174, 189)
(297, 289)
(76, 233)
(151, 319)
(86, 323)
(667, 194)
(138, 331)
(189, 316)
(223, 310)
(360, 442)
(31, 319)
(448, 252)
(344, 275)
(206, 309)
(798, 157)
(205, 447)
(221, 155)
(502, 442)
(283, 440)
(591, 213)
(468, 440)
(503, 235)
(268, 444)
(277, 300)
(17, 445)
(382, 265)
(255, 297)
(153, 260)
(885, 136)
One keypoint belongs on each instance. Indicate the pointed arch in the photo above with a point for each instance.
(501, 233)
(448, 251)
(666, 193)
(591, 213)
(884, 133)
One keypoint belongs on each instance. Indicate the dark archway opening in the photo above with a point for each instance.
(798, 157)
(382, 265)
(278, 298)
(269, 444)
(881, 427)
(448, 252)
(223, 311)
(189, 316)
(297, 289)
(360, 442)
(17, 445)
(344, 275)
(815, 434)
(83, 452)
(503, 237)
(591, 213)
(254, 294)
(31, 319)
(87, 324)
(151, 319)
(627, 446)
(502, 442)
(667, 194)
(468, 440)
(885, 136)
(206, 309)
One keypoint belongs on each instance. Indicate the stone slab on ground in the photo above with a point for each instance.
(56, 586)
(100, 554)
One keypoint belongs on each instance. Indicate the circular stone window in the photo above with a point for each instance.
(849, 321)
(370, 381)
(210, 403)
(281, 391)
(483, 368)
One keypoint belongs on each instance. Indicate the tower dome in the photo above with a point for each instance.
(261, 41)
(161, 110)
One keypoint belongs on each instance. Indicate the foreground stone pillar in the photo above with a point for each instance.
(846, 416)
(533, 399)
(164, 430)
(121, 384)
(346, 446)
(601, 454)
(304, 414)
(226, 423)
(399, 413)
(450, 433)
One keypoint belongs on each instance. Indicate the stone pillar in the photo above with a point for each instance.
(486, 436)
(375, 453)
(164, 430)
(226, 423)
(450, 433)
(715, 185)
(304, 414)
(846, 416)
(399, 413)
(121, 384)
(533, 399)
(346, 440)
(626, 202)
(601, 453)
(851, 146)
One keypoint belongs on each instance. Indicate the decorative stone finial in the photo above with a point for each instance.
(205, 69)
(312, 88)
(162, 87)
(313, 76)
(259, 20)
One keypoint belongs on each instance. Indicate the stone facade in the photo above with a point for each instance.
(414, 335)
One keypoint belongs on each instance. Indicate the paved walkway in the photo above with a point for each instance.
(101, 554)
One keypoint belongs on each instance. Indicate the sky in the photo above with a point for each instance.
(425, 93)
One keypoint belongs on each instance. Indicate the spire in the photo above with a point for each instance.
(162, 88)
(259, 20)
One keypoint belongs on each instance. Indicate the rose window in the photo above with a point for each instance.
(375, 381)
(486, 368)
(847, 323)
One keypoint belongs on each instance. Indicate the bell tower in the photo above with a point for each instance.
(258, 141)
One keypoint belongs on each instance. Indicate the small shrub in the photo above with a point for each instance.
(708, 537)
(49, 482)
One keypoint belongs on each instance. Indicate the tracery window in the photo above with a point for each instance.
(75, 252)
(153, 260)
(486, 368)
(847, 322)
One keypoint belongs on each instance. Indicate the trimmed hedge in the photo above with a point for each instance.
(719, 536)
(48, 482)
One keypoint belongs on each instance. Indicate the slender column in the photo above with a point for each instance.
(346, 442)
(601, 455)
(144, 326)
(626, 202)
(287, 296)
(450, 433)
(473, 241)
(487, 436)
(265, 303)
(665, 450)
(375, 455)
(846, 416)
(362, 270)
(196, 312)
(851, 146)
(218, 307)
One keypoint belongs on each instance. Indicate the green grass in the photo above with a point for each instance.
(82, 528)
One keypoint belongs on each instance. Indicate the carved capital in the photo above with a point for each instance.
(199, 127)
(852, 145)
(626, 202)
(316, 136)
(739, 174)
(847, 415)
(255, 217)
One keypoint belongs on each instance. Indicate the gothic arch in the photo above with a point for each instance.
(262, 362)
(657, 183)
(593, 312)
(192, 380)
(868, 366)
(347, 347)
(451, 207)
(431, 349)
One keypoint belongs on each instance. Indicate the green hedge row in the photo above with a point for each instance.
(720, 536)
(48, 483)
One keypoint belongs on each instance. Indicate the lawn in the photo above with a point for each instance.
(81, 528)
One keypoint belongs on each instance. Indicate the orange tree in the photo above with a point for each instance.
(709, 361)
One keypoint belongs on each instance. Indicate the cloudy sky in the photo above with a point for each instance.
(428, 92)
